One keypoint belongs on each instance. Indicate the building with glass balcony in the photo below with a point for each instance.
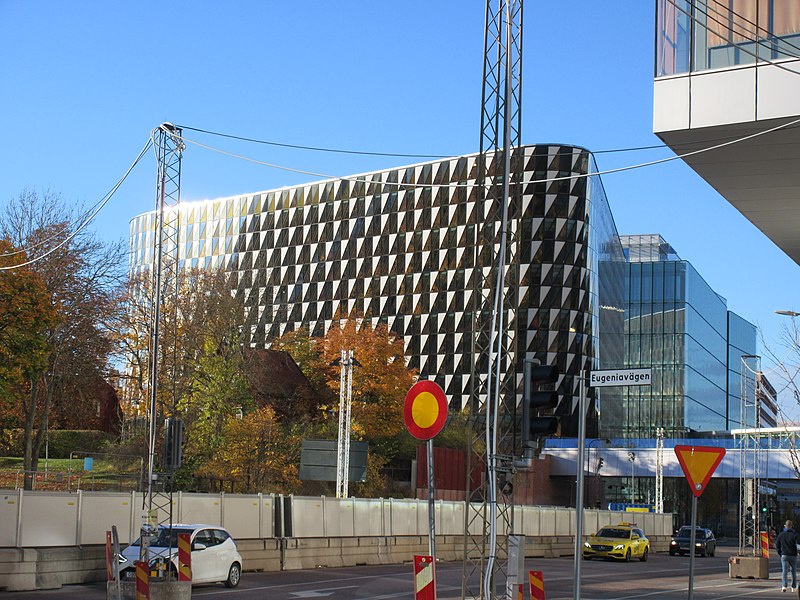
(681, 328)
(729, 70)
(398, 247)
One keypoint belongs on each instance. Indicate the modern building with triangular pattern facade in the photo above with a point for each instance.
(399, 246)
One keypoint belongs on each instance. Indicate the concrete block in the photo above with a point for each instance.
(159, 590)
(748, 567)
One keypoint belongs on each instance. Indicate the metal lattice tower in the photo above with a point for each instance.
(168, 145)
(493, 401)
(749, 458)
(660, 470)
(345, 406)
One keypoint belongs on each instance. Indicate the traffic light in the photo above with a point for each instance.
(536, 400)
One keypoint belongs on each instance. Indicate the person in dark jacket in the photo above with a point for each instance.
(786, 545)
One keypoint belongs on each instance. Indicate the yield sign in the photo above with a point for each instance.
(698, 464)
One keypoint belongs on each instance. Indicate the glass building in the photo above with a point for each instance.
(677, 325)
(398, 246)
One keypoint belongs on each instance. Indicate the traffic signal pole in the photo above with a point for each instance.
(579, 493)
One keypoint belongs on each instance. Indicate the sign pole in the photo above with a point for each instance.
(698, 464)
(579, 486)
(431, 505)
(691, 546)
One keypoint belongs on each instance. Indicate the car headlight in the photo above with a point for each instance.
(698, 544)
(619, 546)
(673, 543)
(587, 545)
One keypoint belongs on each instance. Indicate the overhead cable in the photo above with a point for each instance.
(80, 225)
(363, 178)
(312, 148)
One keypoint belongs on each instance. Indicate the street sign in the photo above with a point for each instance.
(425, 410)
(623, 377)
(698, 464)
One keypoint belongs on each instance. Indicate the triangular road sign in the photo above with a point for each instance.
(698, 464)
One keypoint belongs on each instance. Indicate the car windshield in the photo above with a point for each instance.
(164, 539)
(687, 532)
(611, 532)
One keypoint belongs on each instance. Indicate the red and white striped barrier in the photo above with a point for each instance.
(424, 578)
(764, 544)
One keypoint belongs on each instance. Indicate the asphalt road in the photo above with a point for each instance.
(661, 578)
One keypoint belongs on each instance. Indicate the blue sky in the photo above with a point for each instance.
(84, 83)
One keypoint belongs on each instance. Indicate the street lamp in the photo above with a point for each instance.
(632, 460)
(787, 313)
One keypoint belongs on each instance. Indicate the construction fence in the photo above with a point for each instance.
(42, 519)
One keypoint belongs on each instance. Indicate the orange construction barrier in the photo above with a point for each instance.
(184, 557)
(536, 579)
(424, 578)
(109, 558)
(142, 581)
(765, 544)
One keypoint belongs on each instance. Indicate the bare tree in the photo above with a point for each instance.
(787, 364)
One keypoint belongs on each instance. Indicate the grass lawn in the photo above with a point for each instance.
(68, 474)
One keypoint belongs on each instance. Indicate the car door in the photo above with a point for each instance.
(642, 541)
(203, 563)
(711, 542)
(635, 544)
(224, 552)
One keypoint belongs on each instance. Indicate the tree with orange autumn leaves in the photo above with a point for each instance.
(380, 383)
(26, 313)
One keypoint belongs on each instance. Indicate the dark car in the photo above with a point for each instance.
(705, 544)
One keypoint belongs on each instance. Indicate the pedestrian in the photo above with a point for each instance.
(786, 545)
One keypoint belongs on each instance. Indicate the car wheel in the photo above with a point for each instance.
(587, 557)
(234, 575)
(703, 553)
(672, 552)
(628, 555)
(644, 555)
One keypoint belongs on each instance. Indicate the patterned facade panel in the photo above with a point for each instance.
(401, 247)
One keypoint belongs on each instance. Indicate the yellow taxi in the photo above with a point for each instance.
(623, 541)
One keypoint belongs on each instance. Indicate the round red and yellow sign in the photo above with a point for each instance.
(425, 410)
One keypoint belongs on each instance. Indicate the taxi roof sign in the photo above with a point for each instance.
(698, 464)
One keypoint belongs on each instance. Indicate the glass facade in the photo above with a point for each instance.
(401, 246)
(697, 35)
(677, 325)
(741, 342)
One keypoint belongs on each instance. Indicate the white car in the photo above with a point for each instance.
(214, 554)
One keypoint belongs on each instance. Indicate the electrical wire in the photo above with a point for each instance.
(89, 217)
(312, 148)
(363, 179)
